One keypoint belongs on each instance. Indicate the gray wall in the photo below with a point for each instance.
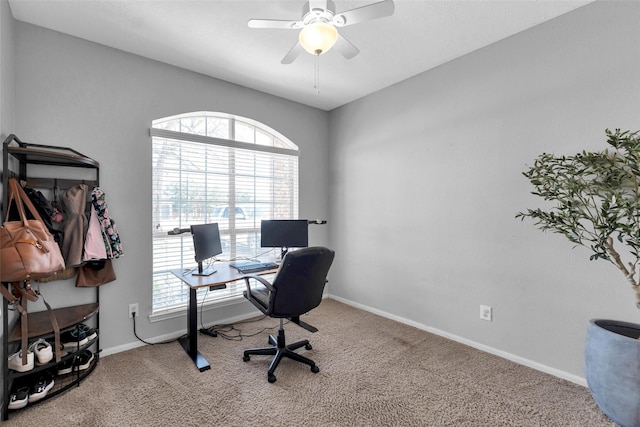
(101, 101)
(426, 181)
(424, 176)
(7, 91)
(7, 70)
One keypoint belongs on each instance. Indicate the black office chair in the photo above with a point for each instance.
(296, 289)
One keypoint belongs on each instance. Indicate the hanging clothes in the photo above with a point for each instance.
(75, 202)
(110, 236)
(94, 246)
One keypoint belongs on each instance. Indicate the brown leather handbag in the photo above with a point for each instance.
(27, 248)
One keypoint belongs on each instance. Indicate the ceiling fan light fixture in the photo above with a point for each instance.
(318, 37)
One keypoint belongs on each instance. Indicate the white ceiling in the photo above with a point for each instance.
(211, 37)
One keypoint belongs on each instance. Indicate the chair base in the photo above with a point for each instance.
(279, 349)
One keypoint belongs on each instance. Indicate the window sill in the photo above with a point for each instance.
(182, 310)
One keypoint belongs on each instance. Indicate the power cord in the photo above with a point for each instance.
(226, 331)
(150, 343)
(213, 331)
(209, 332)
(223, 331)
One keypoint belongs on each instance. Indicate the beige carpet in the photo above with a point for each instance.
(373, 372)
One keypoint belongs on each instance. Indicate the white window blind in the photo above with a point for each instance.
(212, 167)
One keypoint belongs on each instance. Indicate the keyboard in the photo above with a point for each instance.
(253, 266)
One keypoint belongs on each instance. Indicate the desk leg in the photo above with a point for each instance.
(190, 342)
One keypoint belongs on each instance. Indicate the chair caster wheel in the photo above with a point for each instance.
(315, 369)
(246, 358)
(308, 347)
(271, 378)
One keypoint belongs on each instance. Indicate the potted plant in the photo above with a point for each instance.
(595, 199)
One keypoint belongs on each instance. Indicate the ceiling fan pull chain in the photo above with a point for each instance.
(316, 84)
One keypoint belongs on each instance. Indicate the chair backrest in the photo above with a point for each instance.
(300, 281)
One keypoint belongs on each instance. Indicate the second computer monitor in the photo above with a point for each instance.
(284, 233)
(206, 243)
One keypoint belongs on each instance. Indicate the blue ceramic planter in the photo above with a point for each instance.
(612, 369)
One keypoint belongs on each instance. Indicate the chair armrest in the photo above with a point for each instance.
(259, 279)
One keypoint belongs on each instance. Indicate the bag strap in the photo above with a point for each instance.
(19, 292)
(27, 293)
(8, 295)
(14, 196)
(11, 196)
(24, 325)
(17, 194)
(21, 296)
(21, 305)
(56, 329)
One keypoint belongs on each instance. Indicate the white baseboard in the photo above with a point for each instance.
(500, 353)
(173, 335)
(178, 334)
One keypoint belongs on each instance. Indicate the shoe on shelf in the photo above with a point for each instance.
(89, 332)
(42, 350)
(73, 339)
(63, 352)
(65, 367)
(80, 362)
(83, 360)
(40, 388)
(19, 398)
(15, 362)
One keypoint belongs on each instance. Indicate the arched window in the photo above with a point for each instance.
(215, 167)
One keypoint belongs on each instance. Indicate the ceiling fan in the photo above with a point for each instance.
(318, 32)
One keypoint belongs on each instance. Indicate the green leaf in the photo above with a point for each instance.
(594, 194)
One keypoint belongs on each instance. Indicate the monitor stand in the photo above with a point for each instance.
(204, 272)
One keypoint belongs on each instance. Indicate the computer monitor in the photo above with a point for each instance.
(284, 233)
(206, 243)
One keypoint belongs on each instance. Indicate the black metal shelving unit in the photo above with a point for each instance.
(21, 154)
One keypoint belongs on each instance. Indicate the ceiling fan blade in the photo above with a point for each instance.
(292, 54)
(345, 47)
(274, 23)
(364, 13)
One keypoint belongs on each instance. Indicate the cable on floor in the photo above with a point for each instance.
(151, 343)
(225, 331)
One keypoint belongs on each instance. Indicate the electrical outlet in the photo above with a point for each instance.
(486, 313)
(133, 308)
